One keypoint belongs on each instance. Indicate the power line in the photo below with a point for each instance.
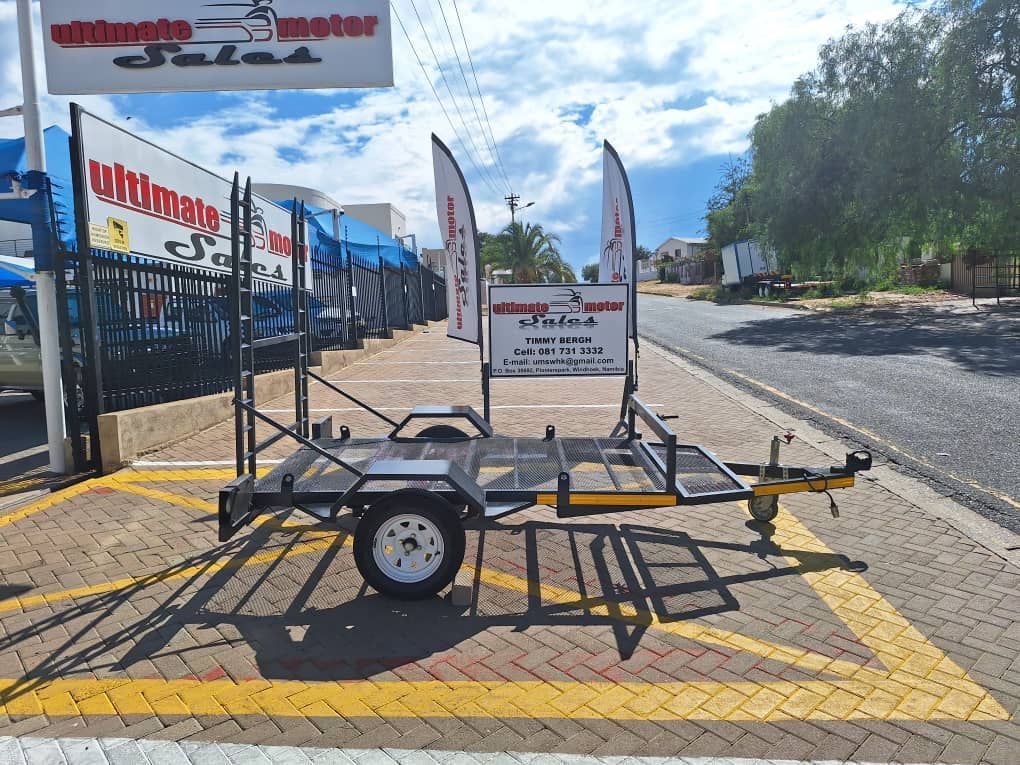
(435, 93)
(485, 111)
(487, 176)
(490, 142)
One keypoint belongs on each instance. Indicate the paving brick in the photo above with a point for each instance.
(705, 568)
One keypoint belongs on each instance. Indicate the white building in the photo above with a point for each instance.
(434, 259)
(384, 217)
(674, 250)
(680, 248)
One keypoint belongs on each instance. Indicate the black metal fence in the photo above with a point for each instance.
(163, 331)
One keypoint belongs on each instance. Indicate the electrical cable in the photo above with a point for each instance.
(436, 94)
(490, 135)
(486, 174)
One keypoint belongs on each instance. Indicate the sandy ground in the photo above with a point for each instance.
(871, 300)
(668, 290)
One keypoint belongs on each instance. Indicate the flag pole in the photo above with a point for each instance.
(42, 245)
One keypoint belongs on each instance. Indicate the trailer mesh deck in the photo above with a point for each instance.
(497, 464)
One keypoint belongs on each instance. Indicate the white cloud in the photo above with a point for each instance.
(669, 82)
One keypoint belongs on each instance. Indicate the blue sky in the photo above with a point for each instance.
(674, 84)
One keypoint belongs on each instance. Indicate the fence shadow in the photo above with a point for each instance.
(987, 342)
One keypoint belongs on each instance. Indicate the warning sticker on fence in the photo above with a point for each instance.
(558, 330)
(119, 240)
(113, 236)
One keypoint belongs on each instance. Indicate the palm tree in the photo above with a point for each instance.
(532, 255)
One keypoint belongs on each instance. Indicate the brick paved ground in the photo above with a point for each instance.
(884, 635)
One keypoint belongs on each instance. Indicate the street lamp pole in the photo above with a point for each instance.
(42, 240)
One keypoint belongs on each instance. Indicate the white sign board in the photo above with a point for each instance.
(142, 46)
(558, 330)
(142, 200)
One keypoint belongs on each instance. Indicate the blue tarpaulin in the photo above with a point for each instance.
(13, 163)
(16, 272)
(362, 240)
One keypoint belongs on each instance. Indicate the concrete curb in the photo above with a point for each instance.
(132, 433)
(997, 540)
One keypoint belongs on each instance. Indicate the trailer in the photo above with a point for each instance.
(415, 489)
(743, 262)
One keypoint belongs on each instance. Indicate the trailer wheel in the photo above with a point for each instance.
(763, 509)
(443, 433)
(409, 545)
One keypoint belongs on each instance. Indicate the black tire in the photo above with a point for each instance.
(444, 433)
(433, 515)
(764, 509)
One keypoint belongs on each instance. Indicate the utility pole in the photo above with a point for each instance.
(513, 201)
(42, 240)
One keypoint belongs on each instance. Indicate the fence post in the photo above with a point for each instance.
(403, 295)
(421, 295)
(353, 315)
(382, 296)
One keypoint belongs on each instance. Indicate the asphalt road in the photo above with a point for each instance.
(935, 390)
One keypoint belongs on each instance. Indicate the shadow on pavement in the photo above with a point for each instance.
(23, 429)
(986, 342)
(317, 621)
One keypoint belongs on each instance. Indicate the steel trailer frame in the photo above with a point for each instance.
(442, 478)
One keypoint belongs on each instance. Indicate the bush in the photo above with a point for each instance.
(719, 295)
(704, 293)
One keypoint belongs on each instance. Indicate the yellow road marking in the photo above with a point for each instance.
(174, 573)
(164, 496)
(50, 500)
(841, 700)
(198, 474)
(920, 681)
(626, 612)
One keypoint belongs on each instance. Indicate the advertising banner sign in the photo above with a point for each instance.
(618, 236)
(143, 46)
(619, 233)
(559, 330)
(142, 200)
(460, 234)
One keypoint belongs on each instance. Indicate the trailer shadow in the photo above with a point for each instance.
(985, 342)
(318, 622)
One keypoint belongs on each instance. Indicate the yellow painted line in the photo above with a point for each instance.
(626, 612)
(612, 500)
(50, 500)
(875, 437)
(912, 660)
(176, 572)
(172, 475)
(766, 490)
(919, 682)
(164, 496)
(736, 701)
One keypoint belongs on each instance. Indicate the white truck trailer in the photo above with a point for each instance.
(742, 260)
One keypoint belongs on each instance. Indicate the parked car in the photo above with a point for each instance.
(206, 319)
(127, 343)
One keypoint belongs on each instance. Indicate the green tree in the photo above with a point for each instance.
(904, 137)
(590, 273)
(729, 218)
(530, 253)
